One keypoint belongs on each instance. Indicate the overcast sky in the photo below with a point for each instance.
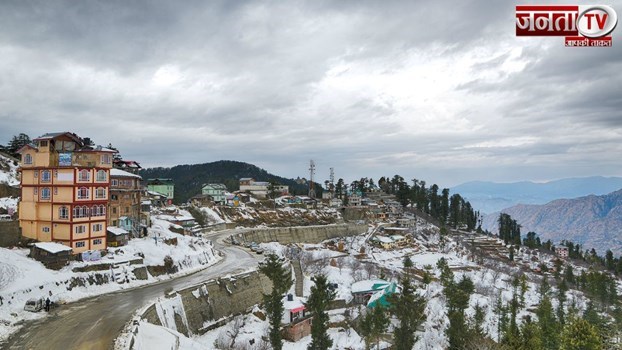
(438, 90)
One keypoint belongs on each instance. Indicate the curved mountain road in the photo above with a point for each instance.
(94, 323)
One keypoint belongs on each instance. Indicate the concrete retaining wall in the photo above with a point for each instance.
(301, 234)
(9, 233)
(216, 299)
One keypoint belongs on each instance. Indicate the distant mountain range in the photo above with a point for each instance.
(190, 178)
(488, 197)
(594, 221)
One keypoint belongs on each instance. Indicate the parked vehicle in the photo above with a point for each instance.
(34, 305)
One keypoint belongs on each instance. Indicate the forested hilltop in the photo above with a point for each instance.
(190, 178)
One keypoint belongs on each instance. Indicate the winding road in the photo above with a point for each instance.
(94, 323)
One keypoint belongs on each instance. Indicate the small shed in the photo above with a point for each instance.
(52, 255)
(295, 318)
(117, 236)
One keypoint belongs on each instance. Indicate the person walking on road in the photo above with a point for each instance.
(47, 305)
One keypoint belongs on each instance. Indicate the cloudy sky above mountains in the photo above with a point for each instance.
(437, 90)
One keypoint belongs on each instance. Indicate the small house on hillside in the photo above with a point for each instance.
(373, 292)
(561, 252)
(52, 255)
(363, 290)
(384, 242)
(295, 318)
(117, 236)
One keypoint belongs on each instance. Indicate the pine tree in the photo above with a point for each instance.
(409, 309)
(408, 263)
(458, 295)
(280, 276)
(373, 325)
(318, 302)
(547, 323)
(579, 334)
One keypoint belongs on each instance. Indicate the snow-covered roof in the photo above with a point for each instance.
(246, 178)
(121, 173)
(117, 231)
(52, 247)
(396, 228)
(384, 239)
(294, 305)
(368, 285)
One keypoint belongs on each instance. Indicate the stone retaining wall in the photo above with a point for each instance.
(211, 301)
(301, 234)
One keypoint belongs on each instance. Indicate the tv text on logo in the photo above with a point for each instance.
(582, 25)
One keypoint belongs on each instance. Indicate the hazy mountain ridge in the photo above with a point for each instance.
(491, 197)
(594, 221)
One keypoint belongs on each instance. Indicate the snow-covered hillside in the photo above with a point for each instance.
(8, 171)
(355, 259)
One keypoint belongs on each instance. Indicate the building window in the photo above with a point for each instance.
(114, 210)
(114, 197)
(43, 143)
(80, 212)
(63, 212)
(101, 175)
(80, 244)
(84, 175)
(45, 193)
(27, 159)
(100, 192)
(97, 241)
(46, 176)
(97, 227)
(105, 159)
(83, 193)
(98, 210)
(80, 229)
(115, 182)
(127, 210)
(46, 229)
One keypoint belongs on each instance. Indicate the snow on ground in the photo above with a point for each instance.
(253, 329)
(22, 278)
(150, 337)
(9, 203)
(8, 171)
(212, 216)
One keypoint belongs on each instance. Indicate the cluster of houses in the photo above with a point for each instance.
(297, 321)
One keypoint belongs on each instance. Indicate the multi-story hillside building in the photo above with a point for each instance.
(216, 191)
(124, 206)
(162, 186)
(65, 191)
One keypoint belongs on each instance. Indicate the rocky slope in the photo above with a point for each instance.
(594, 221)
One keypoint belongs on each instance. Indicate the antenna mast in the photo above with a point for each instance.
(311, 174)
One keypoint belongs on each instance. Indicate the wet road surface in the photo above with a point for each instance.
(94, 323)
